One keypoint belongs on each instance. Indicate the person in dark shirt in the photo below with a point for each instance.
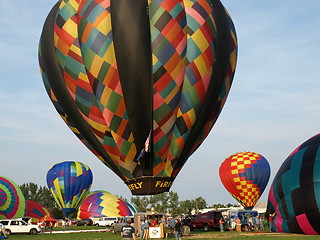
(177, 229)
(128, 232)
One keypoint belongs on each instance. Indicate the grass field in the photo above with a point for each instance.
(195, 235)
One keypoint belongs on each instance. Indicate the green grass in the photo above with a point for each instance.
(195, 235)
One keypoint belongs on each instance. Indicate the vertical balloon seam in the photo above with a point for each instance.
(190, 60)
(124, 158)
(163, 19)
(46, 59)
(223, 54)
(227, 86)
(307, 179)
(75, 186)
(85, 191)
(126, 50)
(228, 82)
(88, 72)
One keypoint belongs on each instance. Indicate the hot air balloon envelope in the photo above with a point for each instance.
(132, 208)
(12, 201)
(36, 211)
(140, 83)
(103, 204)
(245, 175)
(294, 194)
(69, 183)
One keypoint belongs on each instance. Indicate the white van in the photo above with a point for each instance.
(106, 221)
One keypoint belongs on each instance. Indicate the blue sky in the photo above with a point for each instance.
(273, 105)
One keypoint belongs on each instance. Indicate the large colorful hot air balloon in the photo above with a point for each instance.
(69, 183)
(294, 196)
(12, 201)
(103, 204)
(36, 211)
(245, 175)
(140, 83)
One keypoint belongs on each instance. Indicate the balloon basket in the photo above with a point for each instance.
(150, 185)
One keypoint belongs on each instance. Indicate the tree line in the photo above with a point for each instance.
(167, 202)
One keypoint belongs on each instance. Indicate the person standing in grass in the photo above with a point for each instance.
(128, 232)
(177, 229)
(221, 222)
(270, 220)
(63, 223)
(260, 223)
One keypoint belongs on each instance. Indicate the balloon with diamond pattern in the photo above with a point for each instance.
(140, 83)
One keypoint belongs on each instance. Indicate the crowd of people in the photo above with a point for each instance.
(167, 225)
(48, 225)
(44, 225)
(247, 224)
(172, 225)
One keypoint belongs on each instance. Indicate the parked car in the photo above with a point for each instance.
(106, 221)
(84, 222)
(206, 221)
(19, 226)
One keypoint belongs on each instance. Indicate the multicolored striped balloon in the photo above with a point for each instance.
(103, 204)
(36, 211)
(140, 83)
(294, 195)
(69, 183)
(245, 175)
(132, 208)
(12, 201)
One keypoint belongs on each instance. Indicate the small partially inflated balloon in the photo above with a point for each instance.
(103, 204)
(36, 211)
(12, 201)
(245, 175)
(69, 183)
